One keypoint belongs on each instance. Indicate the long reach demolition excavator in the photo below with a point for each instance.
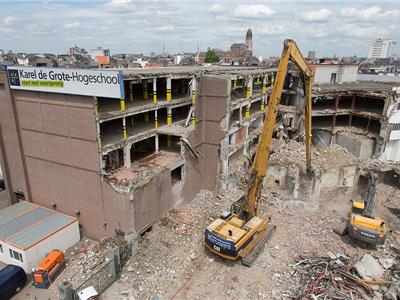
(242, 232)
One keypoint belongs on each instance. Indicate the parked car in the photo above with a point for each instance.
(12, 280)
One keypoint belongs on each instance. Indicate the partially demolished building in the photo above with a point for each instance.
(121, 164)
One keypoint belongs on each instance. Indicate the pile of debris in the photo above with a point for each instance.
(337, 276)
(182, 220)
(294, 153)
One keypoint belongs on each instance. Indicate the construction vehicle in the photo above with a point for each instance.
(48, 269)
(242, 232)
(362, 224)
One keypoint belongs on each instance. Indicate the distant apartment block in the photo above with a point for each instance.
(381, 48)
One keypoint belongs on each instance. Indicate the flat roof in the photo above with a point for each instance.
(133, 73)
(26, 224)
(383, 88)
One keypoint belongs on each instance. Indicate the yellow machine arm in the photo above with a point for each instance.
(290, 52)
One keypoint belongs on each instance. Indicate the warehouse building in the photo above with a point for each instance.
(28, 232)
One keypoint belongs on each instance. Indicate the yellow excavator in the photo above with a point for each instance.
(363, 225)
(242, 232)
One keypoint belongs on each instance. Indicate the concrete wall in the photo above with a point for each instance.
(344, 73)
(56, 134)
(392, 151)
(11, 157)
(211, 110)
(360, 146)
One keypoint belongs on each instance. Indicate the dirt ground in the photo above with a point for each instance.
(172, 262)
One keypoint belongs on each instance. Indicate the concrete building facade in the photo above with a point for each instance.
(120, 164)
(381, 48)
(334, 73)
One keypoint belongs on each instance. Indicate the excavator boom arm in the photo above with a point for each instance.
(290, 52)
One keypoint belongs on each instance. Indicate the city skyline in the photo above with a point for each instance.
(127, 26)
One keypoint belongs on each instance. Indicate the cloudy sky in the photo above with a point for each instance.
(141, 26)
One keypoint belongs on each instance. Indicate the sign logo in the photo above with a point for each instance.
(14, 77)
(86, 82)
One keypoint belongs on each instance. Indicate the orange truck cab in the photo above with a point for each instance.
(48, 269)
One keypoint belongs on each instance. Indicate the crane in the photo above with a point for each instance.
(241, 232)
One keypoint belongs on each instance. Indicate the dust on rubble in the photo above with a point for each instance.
(172, 262)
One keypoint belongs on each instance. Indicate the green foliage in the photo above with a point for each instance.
(211, 56)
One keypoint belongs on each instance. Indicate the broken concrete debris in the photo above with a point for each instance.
(337, 276)
(369, 268)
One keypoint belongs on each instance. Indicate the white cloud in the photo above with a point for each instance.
(352, 30)
(6, 30)
(252, 10)
(72, 25)
(119, 6)
(216, 8)
(271, 30)
(317, 15)
(10, 20)
(315, 32)
(166, 28)
(373, 13)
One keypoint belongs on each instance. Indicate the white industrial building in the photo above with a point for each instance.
(381, 48)
(334, 73)
(392, 145)
(29, 231)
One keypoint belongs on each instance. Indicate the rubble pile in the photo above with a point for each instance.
(85, 259)
(293, 153)
(337, 276)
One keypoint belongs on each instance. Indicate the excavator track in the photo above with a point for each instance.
(250, 257)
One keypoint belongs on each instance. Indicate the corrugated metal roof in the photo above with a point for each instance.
(25, 224)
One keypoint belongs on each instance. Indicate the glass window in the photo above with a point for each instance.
(16, 255)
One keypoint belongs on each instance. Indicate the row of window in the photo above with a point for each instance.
(14, 254)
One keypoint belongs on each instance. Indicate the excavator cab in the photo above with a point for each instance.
(357, 207)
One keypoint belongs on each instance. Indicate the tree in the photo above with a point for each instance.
(211, 56)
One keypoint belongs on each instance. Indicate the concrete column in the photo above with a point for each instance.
(127, 156)
(234, 83)
(193, 118)
(124, 127)
(240, 115)
(96, 106)
(169, 116)
(169, 141)
(155, 91)
(262, 105)
(336, 103)
(145, 91)
(247, 112)
(264, 85)
(130, 91)
(155, 119)
(249, 87)
(122, 104)
(65, 290)
(157, 143)
(169, 92)
(194, 88)
(114, 259)
(146, 116)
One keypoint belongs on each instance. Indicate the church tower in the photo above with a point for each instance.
(249, 40)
